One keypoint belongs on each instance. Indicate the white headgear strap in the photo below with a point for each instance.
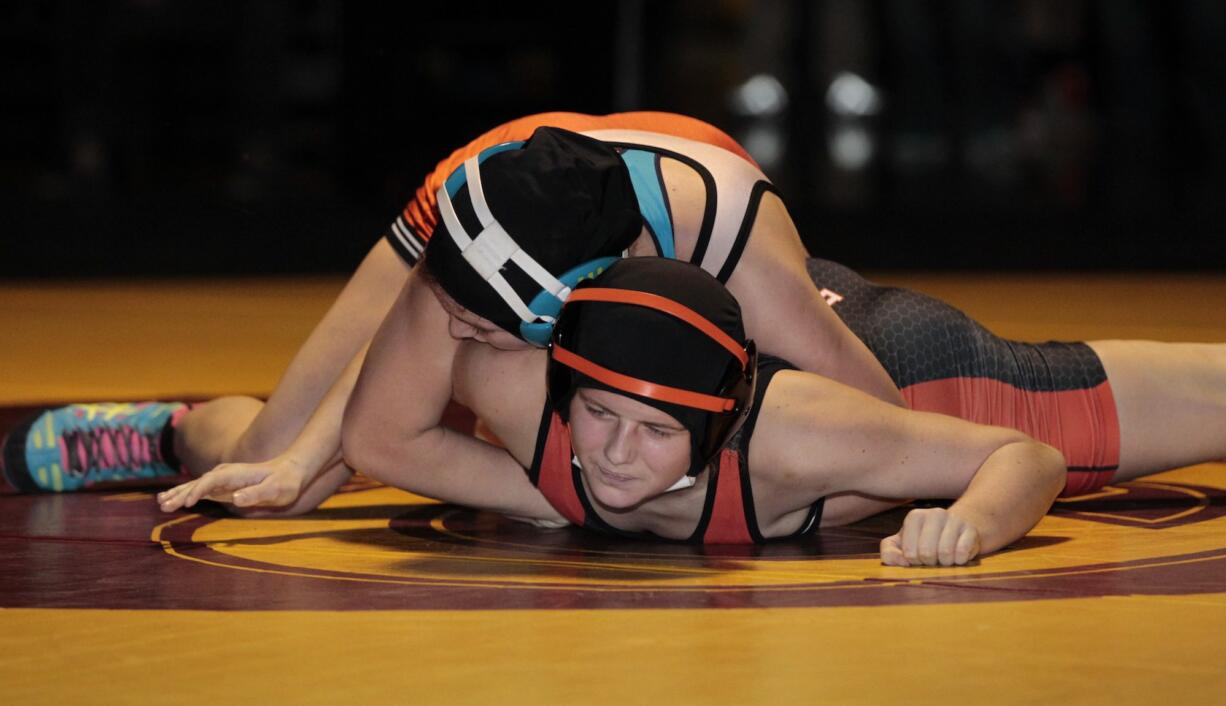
(493, 247)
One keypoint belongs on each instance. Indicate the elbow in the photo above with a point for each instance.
(1052, 468)
(364, 446)
(382, 450)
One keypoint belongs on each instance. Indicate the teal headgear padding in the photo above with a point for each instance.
(546, 306)
(457, 178)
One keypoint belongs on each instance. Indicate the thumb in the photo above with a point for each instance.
(891, 552)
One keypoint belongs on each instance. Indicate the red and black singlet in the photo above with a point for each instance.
(943, 361)
(728, 515)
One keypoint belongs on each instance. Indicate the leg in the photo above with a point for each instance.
(1171, 403)
(208, 436)
(99, 445)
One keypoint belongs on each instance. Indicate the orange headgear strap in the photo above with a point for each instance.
(642, 388)
(668, 306)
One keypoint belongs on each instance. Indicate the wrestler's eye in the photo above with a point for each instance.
(658, 432)
(596, 411)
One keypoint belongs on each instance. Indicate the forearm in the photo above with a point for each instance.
(318, 446)
(447, 465)
(1011, 492)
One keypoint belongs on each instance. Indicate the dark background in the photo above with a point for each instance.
(153, 137)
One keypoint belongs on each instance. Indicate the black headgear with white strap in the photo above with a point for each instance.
(520, 220)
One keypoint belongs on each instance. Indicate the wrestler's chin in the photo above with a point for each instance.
(613, 491)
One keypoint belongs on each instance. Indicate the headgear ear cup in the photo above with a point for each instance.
(665, 333)
(514, 217)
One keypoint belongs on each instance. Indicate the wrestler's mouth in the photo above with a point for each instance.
(613, 478)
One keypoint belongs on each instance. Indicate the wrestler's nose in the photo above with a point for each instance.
(619, 449)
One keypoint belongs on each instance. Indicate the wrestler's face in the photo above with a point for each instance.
(630, 452)
(464, 324)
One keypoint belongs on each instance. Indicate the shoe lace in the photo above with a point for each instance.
(109, 448)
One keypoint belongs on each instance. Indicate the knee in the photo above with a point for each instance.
(210, 432)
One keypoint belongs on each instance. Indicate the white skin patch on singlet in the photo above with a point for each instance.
(734, 178)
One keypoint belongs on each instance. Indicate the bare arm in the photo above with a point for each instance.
(816, 438)
(293, 482)
(786, 315)
(392, 430)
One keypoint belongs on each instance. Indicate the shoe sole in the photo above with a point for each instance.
(13, 466)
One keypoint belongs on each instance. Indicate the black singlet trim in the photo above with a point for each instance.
(742, 236)
(668, 208)
(542, 435)
(400, 248)
(1093, 469)
(708, 505)
(768, 366)
(708, 180)
(812, 521)
(751, 515)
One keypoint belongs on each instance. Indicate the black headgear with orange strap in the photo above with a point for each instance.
(665, 333)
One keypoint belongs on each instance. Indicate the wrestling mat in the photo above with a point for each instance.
(379, 595)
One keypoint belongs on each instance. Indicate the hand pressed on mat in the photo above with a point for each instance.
(276, 483)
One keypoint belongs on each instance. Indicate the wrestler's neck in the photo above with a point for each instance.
(672, 515)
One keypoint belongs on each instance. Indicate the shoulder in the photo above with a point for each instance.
(816, 436)
(790, 413)
(506, 389)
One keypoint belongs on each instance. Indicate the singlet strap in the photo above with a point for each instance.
(733, 254)
(542, 440)
(551, 471)
(709, 208)
(648, 185)
(727, 515)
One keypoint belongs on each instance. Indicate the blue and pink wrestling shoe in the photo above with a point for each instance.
(92, 446)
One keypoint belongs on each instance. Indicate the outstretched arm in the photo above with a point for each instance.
(1004, 500)
(817, 438)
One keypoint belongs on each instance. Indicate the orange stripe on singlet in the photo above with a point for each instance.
(1081, 424)
(421, 213)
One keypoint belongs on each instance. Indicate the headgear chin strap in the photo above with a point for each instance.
(492, 248)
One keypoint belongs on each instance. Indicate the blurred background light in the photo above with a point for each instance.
(851, 147)
(761, 96)
(850, 95)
